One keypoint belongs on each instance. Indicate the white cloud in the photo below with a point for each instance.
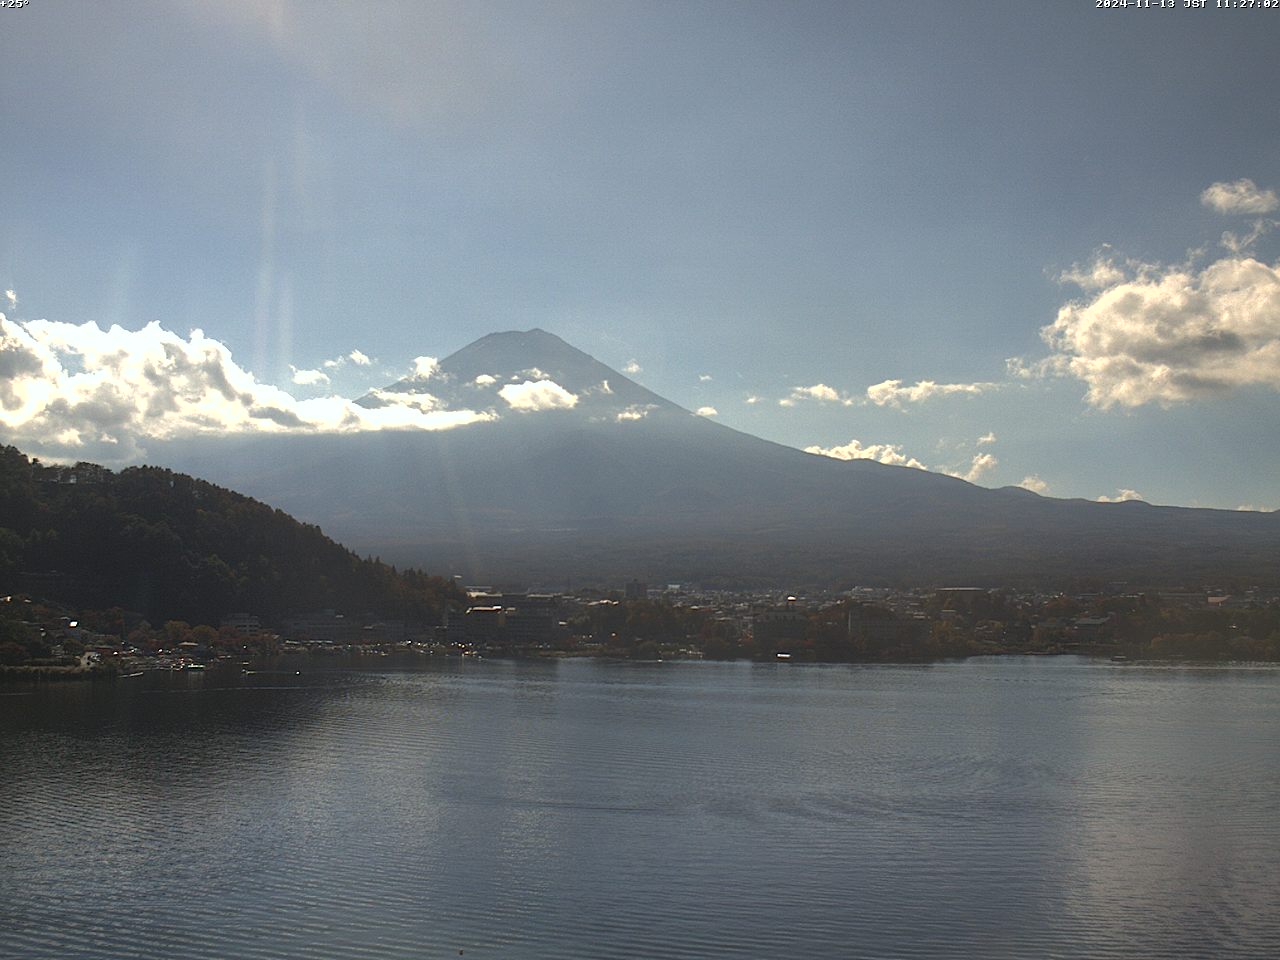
(1122, 495)
(1239, 196)
(819, 392)
(1021, 369)
(1169, 334)
(533, 373)
(707, 412)
(358, 357)
(1102, 272)
(536, 395)
(485, 380)
(1241, 243)
(1154, 333)
(893, 393)
(70, 390)
(308, 378)
(754, 399)
(12, 297)
(890, 453)
(424, 368)
(1033, 483)
(986, 439)
(982, 464)
(704, 378)
(634, 412)
(632, 367)
(406, 417)
(423, 402)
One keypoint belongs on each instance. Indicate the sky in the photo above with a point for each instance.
(1021, 243)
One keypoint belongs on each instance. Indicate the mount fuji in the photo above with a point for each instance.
(578, 472)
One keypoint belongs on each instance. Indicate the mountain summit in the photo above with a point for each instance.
(526, 371)
(576, 471)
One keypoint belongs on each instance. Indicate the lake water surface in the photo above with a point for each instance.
(1017, 807)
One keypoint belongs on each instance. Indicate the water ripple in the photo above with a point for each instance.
(588, 810)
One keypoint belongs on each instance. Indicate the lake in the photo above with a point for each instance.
(417, 808)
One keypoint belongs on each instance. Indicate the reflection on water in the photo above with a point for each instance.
(998, 808)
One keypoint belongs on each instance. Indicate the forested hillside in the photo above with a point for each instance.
(169, 546)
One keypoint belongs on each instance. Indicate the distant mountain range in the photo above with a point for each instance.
(583, 474)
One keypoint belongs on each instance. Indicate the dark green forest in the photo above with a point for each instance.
(171, 547)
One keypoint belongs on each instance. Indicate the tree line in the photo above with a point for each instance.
(171, 547)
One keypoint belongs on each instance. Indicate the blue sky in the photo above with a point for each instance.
(746, 202)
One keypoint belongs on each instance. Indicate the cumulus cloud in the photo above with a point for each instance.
(424, 368)
(1238, 243)
(422, 402)
(12, 297)
(535, 395)
(892, 393)
(1166, 334)
(707, 412)
(632, 367)
(1121, 496)
(69, 390)
(1022, 369)
(754, 399)
(1239, 196)
(890, 453)
(819, 392)
(636, 411)
(1169, 334)
(982, 464)
(987, 439)
(308, 378)
(1102, 272)
(358, 357)
(485, 380)
(1033, 483)
(704, 378)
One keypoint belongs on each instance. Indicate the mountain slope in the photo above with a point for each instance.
(620, 482)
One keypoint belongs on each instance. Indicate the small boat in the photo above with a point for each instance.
(1119, 658)
(193, 666)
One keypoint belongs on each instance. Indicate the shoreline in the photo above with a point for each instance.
(29, 673)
